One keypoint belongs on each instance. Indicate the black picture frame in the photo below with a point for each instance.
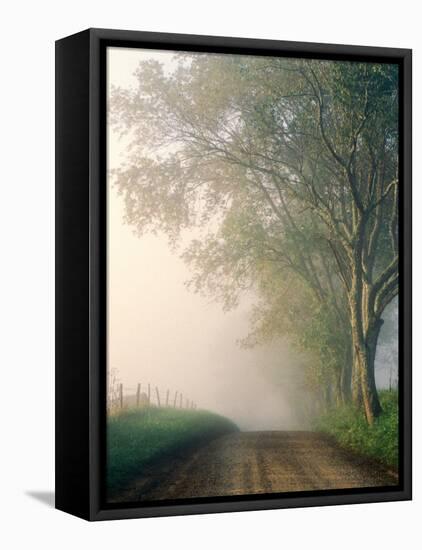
(81, 272)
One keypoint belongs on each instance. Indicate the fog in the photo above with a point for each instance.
(161, 333)
(386, 360)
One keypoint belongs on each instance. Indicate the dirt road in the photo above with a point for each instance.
(259, 462)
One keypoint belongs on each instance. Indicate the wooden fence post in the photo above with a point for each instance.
(138, 394)
(181, 400)
(149, 394)
(121, 395)
(175, 400)
(167, 398)
(158, 397)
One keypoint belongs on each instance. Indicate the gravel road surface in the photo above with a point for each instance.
(258, 462)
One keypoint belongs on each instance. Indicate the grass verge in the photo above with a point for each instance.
(137, 438)
(349, 427)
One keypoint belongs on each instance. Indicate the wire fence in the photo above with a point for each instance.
(144, 396)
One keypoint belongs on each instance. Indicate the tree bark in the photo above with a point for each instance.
(346, 376)
(356, 383)
(371, 348)
(364, 388)
(365, 331)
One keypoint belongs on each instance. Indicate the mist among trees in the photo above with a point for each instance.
(285, 171)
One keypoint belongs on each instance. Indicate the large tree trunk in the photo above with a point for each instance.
(365, 332)
(364, 388)
(346, 376)
(371, 348)
(371, 403)
(356, 383)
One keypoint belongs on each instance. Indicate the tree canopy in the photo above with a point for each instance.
(287, 170)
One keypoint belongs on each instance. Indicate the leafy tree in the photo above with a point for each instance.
(277, 162)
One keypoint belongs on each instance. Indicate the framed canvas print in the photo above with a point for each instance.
(233, 229)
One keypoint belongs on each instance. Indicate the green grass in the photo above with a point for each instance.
(348, 426)
(137, 438)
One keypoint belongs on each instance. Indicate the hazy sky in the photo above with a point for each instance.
(161, 333)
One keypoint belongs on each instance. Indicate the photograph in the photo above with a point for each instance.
(252, 267)
(209, 238)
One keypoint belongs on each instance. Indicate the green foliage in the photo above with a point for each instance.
(286, 171)
(137, 438)
(315, 328)
(349, 427)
